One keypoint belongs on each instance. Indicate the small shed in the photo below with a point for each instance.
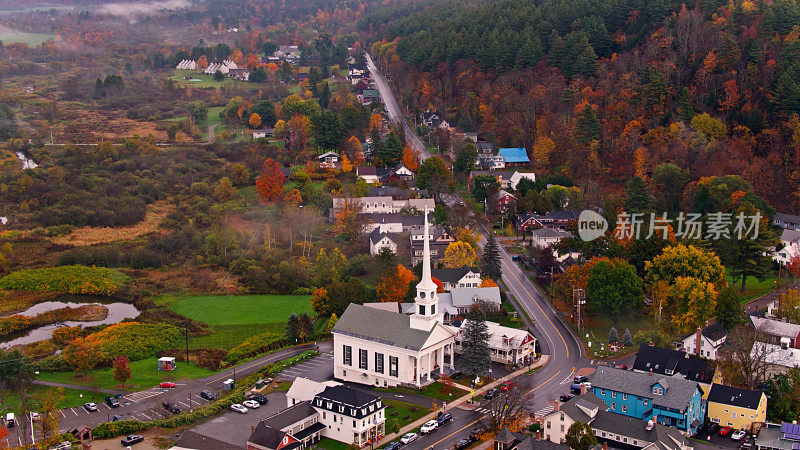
(228, 384)
(166, 363)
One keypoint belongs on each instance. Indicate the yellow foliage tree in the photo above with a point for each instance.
(467, 235)
(695, 302)
(280, 129)
(293, 198)
(347, 166)
(458, 254)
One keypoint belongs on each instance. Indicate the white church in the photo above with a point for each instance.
(385, 348)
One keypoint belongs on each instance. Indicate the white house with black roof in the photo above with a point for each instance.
(461, 277)
(379, 239)
(704, 342)
(338, 412)
(676, 363)
(384, 348)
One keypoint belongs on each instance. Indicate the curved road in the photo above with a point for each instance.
(555, 337)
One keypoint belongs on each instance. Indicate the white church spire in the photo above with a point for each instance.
(426, 304)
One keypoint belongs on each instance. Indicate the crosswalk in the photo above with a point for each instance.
(142, 395)
(545, 411)
(482, 410)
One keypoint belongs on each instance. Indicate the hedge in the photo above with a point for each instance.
(73, 279)
(12, 324)
(112, 429)
(253, 346)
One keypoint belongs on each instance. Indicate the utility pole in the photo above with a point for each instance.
(578, 298)
(186, 337)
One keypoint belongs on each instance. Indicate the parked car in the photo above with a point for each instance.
(239, 408)
(491, 393)
(90, 407)
(35, 416)
(166, 384)
(444, 419)
(476, 433)
(462, 443)
(576, 388)
(724, 431)
(566, 397)
(64, 445)
(394, 445)
(11, 420)
(132, 439)
(260, 398)
(515, 258)
(171, 407)
(507, 386)
(710, 428)
(252, 404)
(208, 395)
(112, 402)
(408, 438)
(428, 426)
(116, 418)
(621, 366)
(580, 379)
(738, 435)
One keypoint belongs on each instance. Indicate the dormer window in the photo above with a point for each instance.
(658, 390)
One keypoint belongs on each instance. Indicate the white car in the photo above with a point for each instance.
(738, 435)
(35, 416)
(429, 426)
(252, 404)
(239, 408)
(408, 438)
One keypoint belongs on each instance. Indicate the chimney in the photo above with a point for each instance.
(651, 372)
(698, 341)
(252, 429)
(556, 406)
(583, 388)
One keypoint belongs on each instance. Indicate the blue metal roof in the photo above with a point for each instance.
(514, 155)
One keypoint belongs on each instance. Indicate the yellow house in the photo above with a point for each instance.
(736, 408)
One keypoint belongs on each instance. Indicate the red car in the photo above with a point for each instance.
(167, 384)
(507, 386)
(724, 431)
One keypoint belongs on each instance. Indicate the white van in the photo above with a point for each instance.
(11, 420)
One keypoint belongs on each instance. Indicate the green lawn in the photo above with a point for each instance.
(72, 397)
(228, 336)
(204, 80)
(330, 444)
(433, 390)
(406, 413)
(32, 39)
(242, 309)
(753, 287)
(144, 375)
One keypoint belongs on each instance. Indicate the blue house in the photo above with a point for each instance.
(670, 401)
(514, 156)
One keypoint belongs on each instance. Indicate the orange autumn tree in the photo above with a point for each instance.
(439, 284)
(202, 62)
(255, 120)
(293, 198)
(488, 282)
(375, 122)
(270, 183)
(411, 158)
(394, 285)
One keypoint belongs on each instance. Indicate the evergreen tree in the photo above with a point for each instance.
(580, 436)
(325, 96)
(612, 336)
(587, 126)
(627, 340)
(305, 327)
(293, 328)
(490, 260)
(476, 357)
(729, 309)
(392, 150)
(637, 197)
(465, 159)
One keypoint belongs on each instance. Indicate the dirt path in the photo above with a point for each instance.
(210, 134)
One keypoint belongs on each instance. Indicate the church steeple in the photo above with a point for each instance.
(426, 303)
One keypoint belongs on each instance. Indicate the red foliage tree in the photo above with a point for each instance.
(270, 183)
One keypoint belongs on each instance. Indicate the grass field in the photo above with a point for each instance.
(242, 309)
(143, 375)
(32, 39)
(205, 81)
(72, 397)
(405, 412)
(228, 336)
(433, 390)
(753, 287)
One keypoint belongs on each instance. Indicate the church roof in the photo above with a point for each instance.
(380, 326)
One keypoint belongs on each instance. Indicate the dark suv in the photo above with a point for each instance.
(171, 407)
(260, 398)
(207, 395)
(112, 402)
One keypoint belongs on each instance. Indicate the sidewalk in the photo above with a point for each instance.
(418, 423)
(82, 387)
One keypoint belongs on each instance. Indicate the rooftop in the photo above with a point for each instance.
(729, 395)
(453, 275)
(514, 155)
(380, 326)
(665, 361)
(677, 391)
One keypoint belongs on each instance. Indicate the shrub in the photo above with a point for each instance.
(260, 343)
(64, 335)
(13, 324)
(73, 279)
(135, 340)
(53, 363)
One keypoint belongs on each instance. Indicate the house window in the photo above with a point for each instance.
(602, 392)
(658, 390)
(348, 355)
(624, 408)
(613, 394)
(614, 405)
(646, 402)
(624, 396)
(379, 362)
(548, 424)
(562, 427)
(362, 359)
(392, 366)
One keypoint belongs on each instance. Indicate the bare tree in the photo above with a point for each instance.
(744, 357)
(509, 409)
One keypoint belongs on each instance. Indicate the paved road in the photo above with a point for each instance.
(393, 108)
(210, 134)
(555, 337)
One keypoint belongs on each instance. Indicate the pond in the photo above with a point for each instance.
(117, 312)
